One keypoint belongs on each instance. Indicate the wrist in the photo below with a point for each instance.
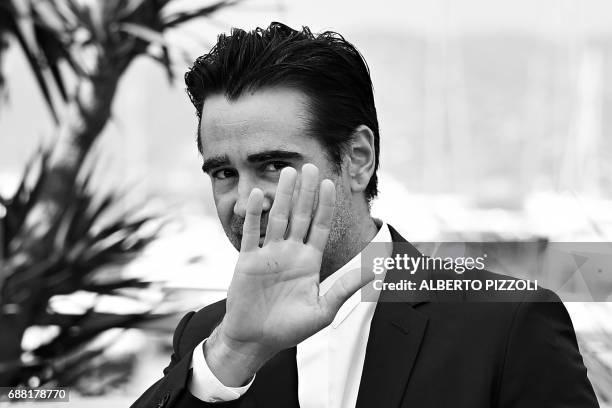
(234, 363)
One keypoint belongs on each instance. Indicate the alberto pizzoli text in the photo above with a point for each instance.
(458, 284)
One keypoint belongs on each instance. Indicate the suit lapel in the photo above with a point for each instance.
(395, 338)
(276, 383)
(396, 333)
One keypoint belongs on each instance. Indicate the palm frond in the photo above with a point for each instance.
(44, 37)
(83, 15)
(24, 198)
(144, 33)
(128, 8)
(181, 17)
(83, 249)
(32, 55)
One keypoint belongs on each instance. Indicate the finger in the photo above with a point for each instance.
(279, 213)
(343, 289)
(302, 212)
(250, 228)
(321, 224)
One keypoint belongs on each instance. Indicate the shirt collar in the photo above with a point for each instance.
(383, 235)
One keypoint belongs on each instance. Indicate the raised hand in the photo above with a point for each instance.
(273, 301)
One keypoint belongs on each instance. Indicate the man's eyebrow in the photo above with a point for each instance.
(220, 161)
(213, 162)
(273, 154)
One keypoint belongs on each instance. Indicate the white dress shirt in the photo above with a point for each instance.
(329, 363)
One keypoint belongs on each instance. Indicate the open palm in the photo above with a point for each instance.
(273, 299)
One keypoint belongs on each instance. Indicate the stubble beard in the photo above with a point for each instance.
(340, 244)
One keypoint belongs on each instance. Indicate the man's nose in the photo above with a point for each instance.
(244, 190)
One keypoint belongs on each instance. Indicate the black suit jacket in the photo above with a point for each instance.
(422, 354)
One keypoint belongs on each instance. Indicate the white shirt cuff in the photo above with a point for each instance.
(205, 386)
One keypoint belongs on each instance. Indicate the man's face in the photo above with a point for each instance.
(247, 142)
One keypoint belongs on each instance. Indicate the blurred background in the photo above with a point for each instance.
(493, 117)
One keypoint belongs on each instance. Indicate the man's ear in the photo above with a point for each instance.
(362, 158)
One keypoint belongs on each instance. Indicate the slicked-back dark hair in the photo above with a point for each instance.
(326, 67)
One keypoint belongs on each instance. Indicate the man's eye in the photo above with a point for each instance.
(223, 174)
(275, 166)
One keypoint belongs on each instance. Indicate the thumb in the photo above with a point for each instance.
(344, 288)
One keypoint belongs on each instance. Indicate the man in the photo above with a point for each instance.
(289, 136)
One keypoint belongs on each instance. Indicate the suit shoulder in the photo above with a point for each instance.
(209, 316)
(213, 309)
(201, 324)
